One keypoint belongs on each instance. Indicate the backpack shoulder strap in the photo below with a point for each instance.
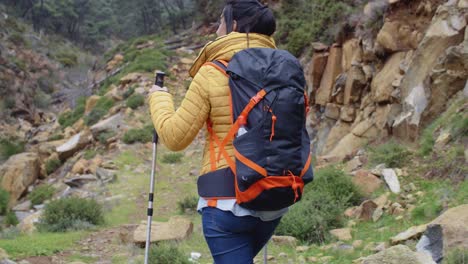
(220, 65)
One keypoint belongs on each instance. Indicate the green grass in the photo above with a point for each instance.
(41, 194)
(52, 165)
(69, 118)
(102, 107)
(172, 158)
(40, 244)
(10, 147)
(456, 123)
(145, 60)
(135, 101)
(392, 154)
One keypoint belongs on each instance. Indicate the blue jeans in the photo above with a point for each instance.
(234, 239)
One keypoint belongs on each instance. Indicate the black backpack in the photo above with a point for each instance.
(272, 160)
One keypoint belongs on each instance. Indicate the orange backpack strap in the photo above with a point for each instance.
(214, 139)
(235, 127)
(220, 65)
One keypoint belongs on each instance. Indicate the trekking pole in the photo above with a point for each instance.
(265, 253)
(159, 82)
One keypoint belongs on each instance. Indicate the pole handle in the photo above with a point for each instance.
(159, 81)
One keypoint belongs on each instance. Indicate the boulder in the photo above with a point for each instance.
(332, 70)
(178, 228)
(3, 254)
(356, 81)
(432, 243)
(28, 225)
(114, 123)
(91, 102)
(351, 54)
(353, 165)
(366, 182)
(74, 144)
(454, 227)
(449, 77)
(397, 255)
(319, 62)
(337, 132)
(18, 173)
(80, 167)
(347, 145)
(398, 36)
(381, 86)
(392, 180)
(332, 111)
(348, 114)
(342, 234)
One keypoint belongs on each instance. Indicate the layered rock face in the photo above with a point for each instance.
(391, 83)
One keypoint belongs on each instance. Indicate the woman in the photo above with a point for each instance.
(234, 234)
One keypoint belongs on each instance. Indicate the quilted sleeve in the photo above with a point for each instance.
(177, 129)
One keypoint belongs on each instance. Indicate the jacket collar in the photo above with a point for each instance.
(224, 47)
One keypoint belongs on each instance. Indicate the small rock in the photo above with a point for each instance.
(378, 170)
(368, 208)
(195, 255)
(399, 218)
(3, 254)
(377, 214)
(382, 200)
(353, 165)
(443, 139)
(326, 259)
(380, 247)
(284, 240)
(24, 206)
(80, 180)
(106, 176)
(343, 234)
(312, 259)
(178, 228)
(27, 226)
(398, 211)
(419, 194)
(302, 249)
(392, 180)
(357, 243)
(351, 223)
(412, 232)
(282, 255)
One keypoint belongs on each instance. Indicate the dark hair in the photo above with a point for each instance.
(251, 17)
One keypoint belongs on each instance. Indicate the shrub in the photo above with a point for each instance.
(390, 153)
(67, 58)
(71, 214)
(172, 158)
(11, 219)
(139, 135)
(321, 208)
(17, 39)
(10, 233)
(41, 193)
(10, 147)
(52, 165)
(166, 253)
(4, 199)
(9, 102)
(129, 92)
(189, 203)
(56, 137)
(135, 101)
(103, 106)
(69, 118)
(90, 154)
(104, 136)
(42, 100)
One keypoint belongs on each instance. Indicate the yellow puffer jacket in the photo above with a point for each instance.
(207, 97)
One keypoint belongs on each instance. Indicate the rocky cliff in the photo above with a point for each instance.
(393, 82)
